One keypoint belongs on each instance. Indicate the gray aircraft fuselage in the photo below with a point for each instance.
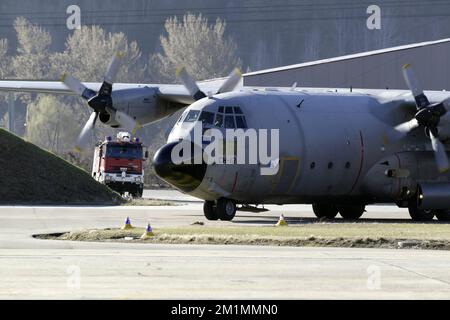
(337, 147)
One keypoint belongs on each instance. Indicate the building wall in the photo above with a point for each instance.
(379, 71)
(268, 33)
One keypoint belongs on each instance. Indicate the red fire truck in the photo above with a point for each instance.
(119, 164)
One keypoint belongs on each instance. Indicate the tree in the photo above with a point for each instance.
(33, 58)
(89, 51)
(202, 49)
(5, 70)
(5, 65)
(50, 124)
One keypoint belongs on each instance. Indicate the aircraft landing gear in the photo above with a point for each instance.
(209, 209)
(443, 215)
(223, 209)
(352, 212)
(226, 209)
(420, 214)
(322, 210)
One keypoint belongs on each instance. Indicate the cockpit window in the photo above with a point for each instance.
(230, 118)
(229, 110)
(207, 117)
(229, 122)
(192, 116)
(240, 122)
(219, 120)
(182, 117)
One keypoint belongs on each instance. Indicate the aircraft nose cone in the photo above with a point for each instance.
(186, 176)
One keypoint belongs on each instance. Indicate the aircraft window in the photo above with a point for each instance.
(330, 165)
(229, 110)
(238, 110)
(220, 109)
(207, 117)
(192, 116)
(219, 120)
(229, 122)
(313, 165)
(240, 122)
(181, 117)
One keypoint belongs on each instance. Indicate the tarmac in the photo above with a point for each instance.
(47, 269)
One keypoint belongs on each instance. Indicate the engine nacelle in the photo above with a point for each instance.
(143, 104)
(433, 195)
(109, 118)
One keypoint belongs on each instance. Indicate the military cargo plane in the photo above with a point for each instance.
(339, 149)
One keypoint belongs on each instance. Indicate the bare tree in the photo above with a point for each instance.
(89, 51)
(5, 65)
(202, 48)
(50, 124)
(32, 60)
(5, 69)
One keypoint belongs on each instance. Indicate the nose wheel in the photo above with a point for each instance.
(418, 214)
(223, 209)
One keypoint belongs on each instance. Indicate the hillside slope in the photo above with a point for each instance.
(31, 175)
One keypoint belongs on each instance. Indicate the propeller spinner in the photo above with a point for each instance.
(428, 115)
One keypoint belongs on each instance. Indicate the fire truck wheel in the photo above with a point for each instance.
(210, 210)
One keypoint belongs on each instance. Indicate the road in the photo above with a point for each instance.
(33, 269)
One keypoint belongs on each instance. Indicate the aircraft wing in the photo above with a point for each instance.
(170, 92)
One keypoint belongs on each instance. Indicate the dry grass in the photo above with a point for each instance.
(385, 235)
(150, 203)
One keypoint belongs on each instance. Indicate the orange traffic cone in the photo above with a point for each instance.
(127, 225)
(148, 233)
(282, 222)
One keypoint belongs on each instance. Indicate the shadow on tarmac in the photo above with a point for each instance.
(303, 221)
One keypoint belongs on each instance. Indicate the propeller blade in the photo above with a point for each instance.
(111, 73)
(77, 87)
(127, 122)
(190, 84)
(407, 127)
(232, 81)
(439, 153)
(113, 68)
(415, 87)
(86, 133)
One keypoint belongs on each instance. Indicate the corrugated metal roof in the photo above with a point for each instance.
(348, 57)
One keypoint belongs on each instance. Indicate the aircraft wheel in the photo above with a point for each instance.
(226, 209)
(420, 214)
(352, 212)
(210, 211)
(322, 210)
(442, 215)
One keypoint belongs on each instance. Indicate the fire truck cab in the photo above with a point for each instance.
(119, 164)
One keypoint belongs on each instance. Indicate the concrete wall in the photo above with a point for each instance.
(379, 71)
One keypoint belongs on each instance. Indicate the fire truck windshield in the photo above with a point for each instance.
(124, 152)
